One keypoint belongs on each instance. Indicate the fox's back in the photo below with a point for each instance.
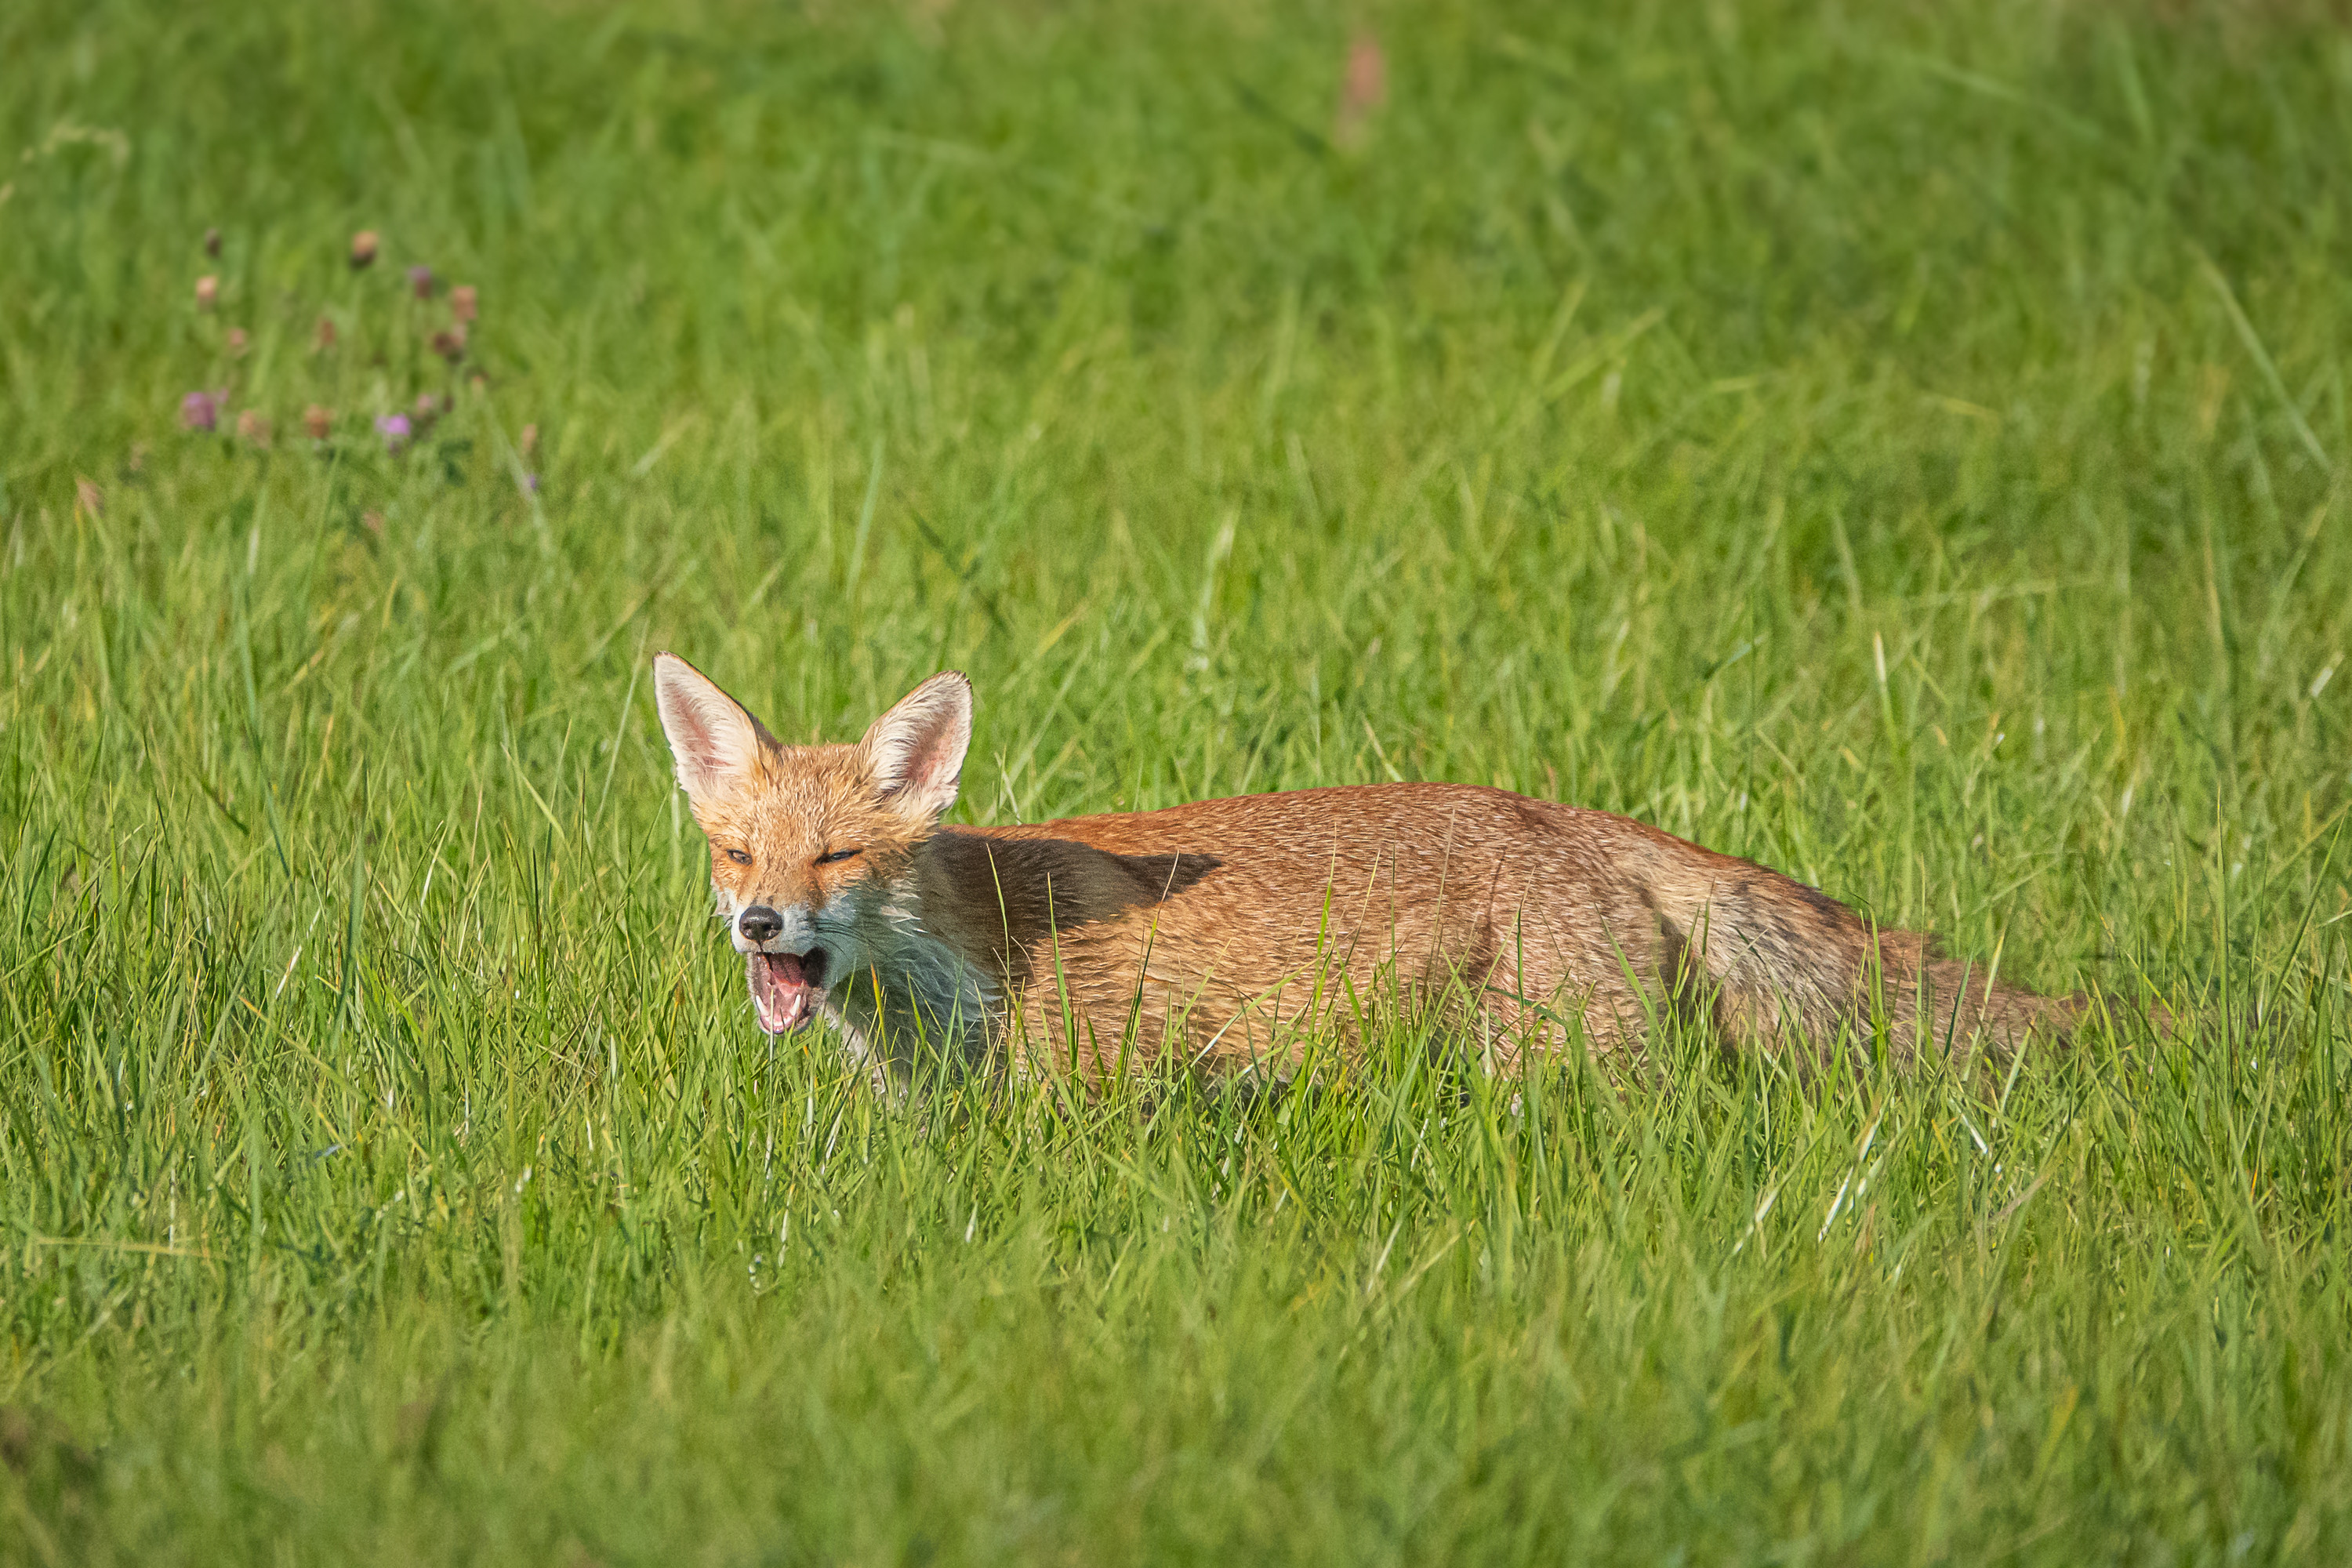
(1407, 844)
(1257, 908)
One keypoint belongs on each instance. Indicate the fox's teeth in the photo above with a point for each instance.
(784, 990)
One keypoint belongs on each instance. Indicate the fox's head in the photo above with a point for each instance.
(808, 844)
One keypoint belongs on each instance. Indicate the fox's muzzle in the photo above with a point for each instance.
(760, 923)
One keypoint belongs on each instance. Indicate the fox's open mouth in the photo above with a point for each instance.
(786, 987)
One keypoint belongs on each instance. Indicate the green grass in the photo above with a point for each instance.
(1893, 442)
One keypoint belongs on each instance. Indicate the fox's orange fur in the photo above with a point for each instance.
(1225, 932)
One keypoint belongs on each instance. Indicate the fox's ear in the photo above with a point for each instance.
(716, 742)
(916, 750)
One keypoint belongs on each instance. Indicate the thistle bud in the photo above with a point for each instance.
(236, 342)
(1363, 90)
(207, 292)
(462, 302)
(318, 420)
(202, 410)
(420, 278)
(253, 428)
(212, 242)
(325, 339)
(363, 249)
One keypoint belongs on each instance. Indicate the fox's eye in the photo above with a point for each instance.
(831, 855)
(739, 856)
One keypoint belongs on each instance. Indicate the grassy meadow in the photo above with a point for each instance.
(1903, 443)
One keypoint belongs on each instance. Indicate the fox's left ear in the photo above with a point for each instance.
(916, 750)
(713, 739)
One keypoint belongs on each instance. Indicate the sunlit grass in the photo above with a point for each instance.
(1896, 445)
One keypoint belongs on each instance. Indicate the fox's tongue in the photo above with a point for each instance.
(781, 990)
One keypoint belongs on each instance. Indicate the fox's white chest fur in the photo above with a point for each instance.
(912, 999)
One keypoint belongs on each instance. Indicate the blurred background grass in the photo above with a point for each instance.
(1897, 444)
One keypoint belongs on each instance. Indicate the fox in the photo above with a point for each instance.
(1228, 935)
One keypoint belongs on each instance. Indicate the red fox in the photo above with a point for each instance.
(1227, 933)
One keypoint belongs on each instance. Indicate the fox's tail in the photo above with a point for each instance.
(1768, 958)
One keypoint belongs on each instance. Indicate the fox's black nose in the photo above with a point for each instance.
(758, 924)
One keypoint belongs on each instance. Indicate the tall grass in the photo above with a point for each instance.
(1897, 444)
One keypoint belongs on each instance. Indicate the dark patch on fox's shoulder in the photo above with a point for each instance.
(1767, 893)
(1165, 876)
(1063, 882)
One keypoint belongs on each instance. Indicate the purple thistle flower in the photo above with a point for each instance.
(202, 410)
(530, 484)
(420, 278)
(395, 429)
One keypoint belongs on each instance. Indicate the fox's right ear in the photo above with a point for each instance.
(916, 750)
(715, 742)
